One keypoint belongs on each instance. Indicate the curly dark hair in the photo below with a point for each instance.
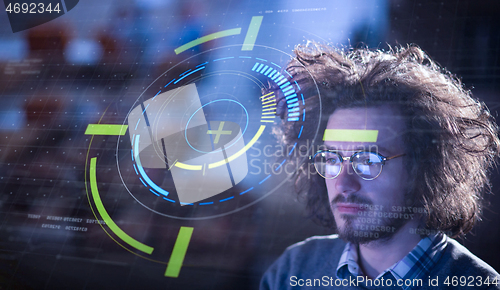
(451, 138)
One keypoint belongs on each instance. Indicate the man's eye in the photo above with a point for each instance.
(331, 161)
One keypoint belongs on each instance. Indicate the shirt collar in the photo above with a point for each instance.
(415, 265)
(348, 262)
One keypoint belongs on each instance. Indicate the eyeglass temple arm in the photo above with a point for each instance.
(395, 156)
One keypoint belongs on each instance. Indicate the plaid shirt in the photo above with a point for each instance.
(416, 265)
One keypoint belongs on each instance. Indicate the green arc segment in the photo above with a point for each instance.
(224, 33)
(105, 216)
(252, 32)
(106, 129)
(344, 135)
(179, 252)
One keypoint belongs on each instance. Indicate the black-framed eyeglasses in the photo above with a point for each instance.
(367, 165)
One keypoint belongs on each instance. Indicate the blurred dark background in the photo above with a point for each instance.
(57, 78)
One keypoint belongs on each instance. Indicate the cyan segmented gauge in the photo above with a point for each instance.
(199, 141)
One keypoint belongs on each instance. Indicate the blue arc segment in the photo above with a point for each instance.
(142, 172)
(298, 87)
(265, 179)
(283, 162)
(246, 190)
(231, 197)
(295, 145)
(169, 83)
(173, 201)
(188, 74)
(185, 72)
(224, 58)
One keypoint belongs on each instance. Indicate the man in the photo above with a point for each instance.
(401, 171)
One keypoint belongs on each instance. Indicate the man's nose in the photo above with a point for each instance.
(347, 181)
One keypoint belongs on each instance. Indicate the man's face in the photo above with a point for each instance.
(367, 210)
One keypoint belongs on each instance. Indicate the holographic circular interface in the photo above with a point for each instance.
(200, 138)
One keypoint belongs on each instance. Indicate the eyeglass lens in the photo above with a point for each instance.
(367, 165)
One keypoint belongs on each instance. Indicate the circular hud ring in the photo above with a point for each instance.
(200, 141)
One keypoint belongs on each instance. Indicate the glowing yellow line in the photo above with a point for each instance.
(268, 117)
(266, 95)
(267, 121)
(270, 109)
(243, 150)
(187, 166)
(269, 105)
(269, 113)
(224, 33)
(270, 97)
(270, 101)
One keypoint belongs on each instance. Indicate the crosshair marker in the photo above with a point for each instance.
(219, 132)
